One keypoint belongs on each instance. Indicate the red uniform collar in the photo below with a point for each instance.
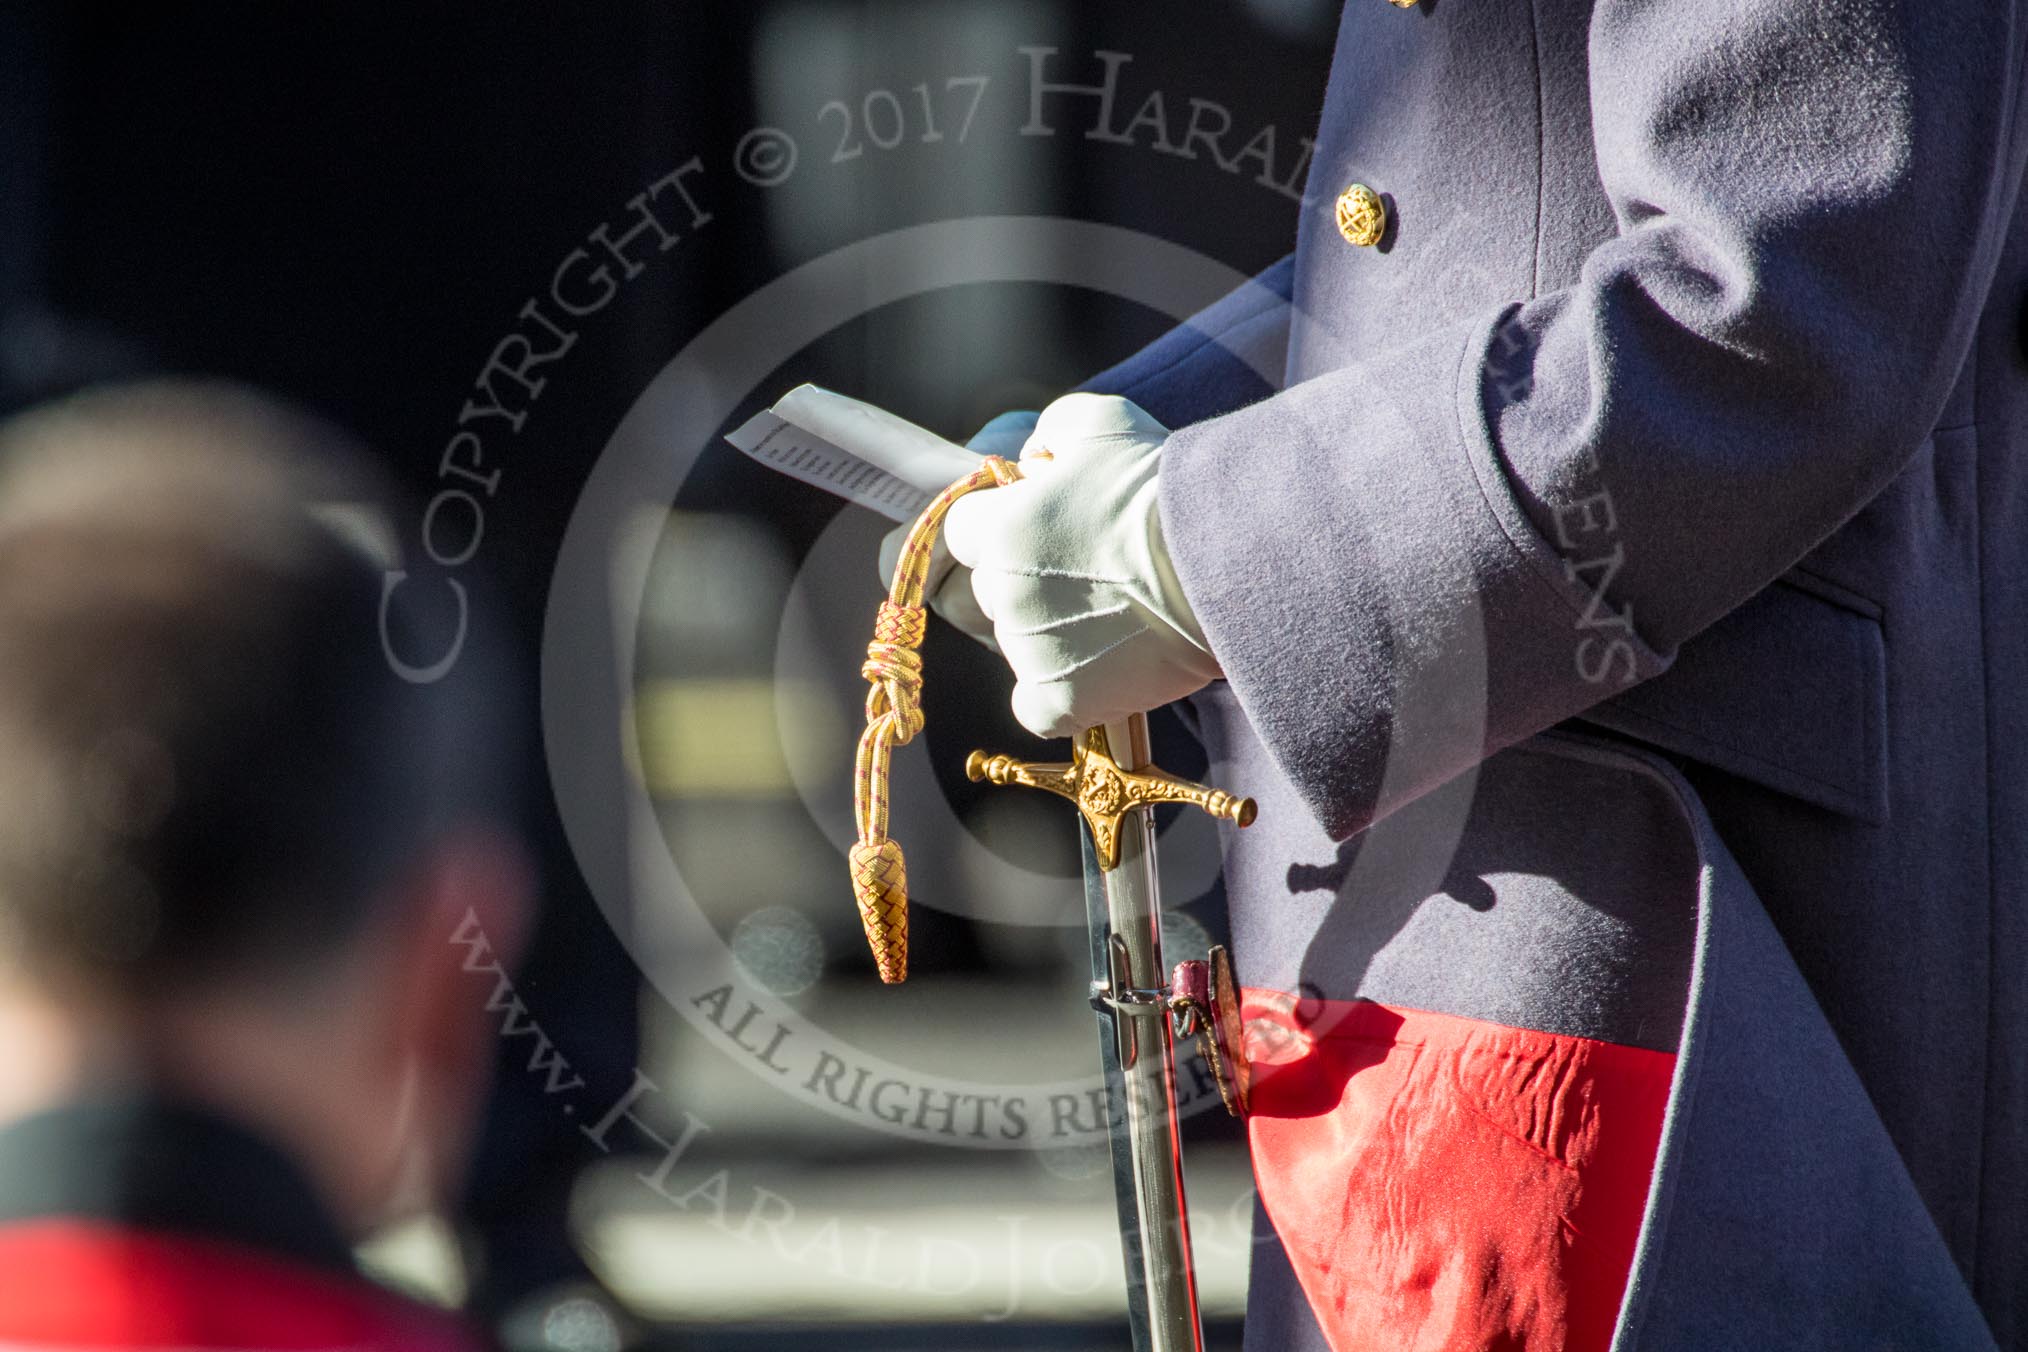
(141, 1225)
(165, 1168)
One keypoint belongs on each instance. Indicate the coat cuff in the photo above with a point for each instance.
(1383, 609)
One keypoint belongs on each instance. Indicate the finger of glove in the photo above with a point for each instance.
(957, 606)
(1052, 626)
(979, 525)
(1079, 418)
(1145, 672)
(1046, 710)
(1119, 683)
(982, 597)
(1047, 607)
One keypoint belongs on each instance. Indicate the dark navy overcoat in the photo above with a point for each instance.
(1623, 602)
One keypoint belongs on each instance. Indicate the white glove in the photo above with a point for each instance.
(948, 586)
(1070, 567)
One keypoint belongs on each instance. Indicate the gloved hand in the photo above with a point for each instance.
(1070, 567)
(949, 587)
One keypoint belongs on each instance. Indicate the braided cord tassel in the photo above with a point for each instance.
(893, 669)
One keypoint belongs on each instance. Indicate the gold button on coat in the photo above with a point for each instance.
(1402, 4)
(1362, 216)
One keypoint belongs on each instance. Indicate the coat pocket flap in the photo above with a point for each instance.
(1788, 691)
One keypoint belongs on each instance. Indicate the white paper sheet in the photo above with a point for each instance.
(860, 452)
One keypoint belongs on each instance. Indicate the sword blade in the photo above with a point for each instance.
(1137, 1052)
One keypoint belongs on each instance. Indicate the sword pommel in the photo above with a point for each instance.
(1104, 792)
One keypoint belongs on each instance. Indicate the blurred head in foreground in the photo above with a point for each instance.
(235, 844)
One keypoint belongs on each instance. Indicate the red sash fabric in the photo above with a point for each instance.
(1447, 1185)
(90, 1284)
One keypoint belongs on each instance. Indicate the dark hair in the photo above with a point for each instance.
(208, 767)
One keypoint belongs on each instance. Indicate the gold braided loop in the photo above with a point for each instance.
(893, 670)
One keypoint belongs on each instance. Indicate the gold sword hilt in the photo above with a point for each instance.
(1104, 791)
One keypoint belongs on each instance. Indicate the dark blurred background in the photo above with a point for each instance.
(350, 204)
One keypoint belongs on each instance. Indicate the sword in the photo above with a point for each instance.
(872, 457)
(1123, 910)
(1115, 789)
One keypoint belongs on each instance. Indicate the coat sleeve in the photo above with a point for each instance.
(1229, 354)
(1412, 561)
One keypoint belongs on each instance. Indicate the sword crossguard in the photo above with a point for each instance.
(1104, 792)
